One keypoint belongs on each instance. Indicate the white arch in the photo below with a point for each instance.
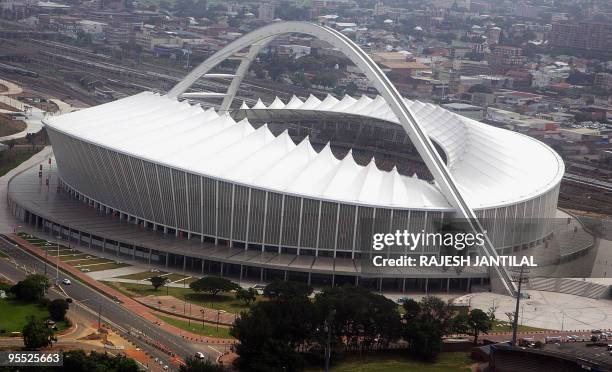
(443, 178)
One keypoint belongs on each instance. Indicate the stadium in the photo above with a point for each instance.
(294, 190)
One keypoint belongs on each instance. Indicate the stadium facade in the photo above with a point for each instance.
(173, 167)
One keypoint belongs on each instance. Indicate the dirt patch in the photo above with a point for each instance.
(4, 106)
(588, 214)
(9, 126)
(92, 336)
(228, 358)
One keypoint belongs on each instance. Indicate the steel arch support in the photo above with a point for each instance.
(386, 89)
(241, 72)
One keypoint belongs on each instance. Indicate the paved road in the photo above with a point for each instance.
(15, 273)
(33, 118)
(7, 220)
(12, 88)
(112, 312)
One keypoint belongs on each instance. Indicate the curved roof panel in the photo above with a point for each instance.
(490, 165)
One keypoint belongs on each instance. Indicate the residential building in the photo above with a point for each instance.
(603, 80)
(266, 12)
(470, 111)
(585, 35)
(504, 57)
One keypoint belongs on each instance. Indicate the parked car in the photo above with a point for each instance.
(66, 281)
(259, 288)
(552, 339)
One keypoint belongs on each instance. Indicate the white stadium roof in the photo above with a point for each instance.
(491, 166)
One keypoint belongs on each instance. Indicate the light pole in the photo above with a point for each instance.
(202, 311)
(57, 258)
(562, 319)
(218, 316)
(46, 258)
(521, 271)
(327, 328)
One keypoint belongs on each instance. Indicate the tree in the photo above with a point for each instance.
(475, 56)
(158, 281)
(289, 12)
(191, 8)
(436, 310)
(36, 334)
(424, 338)
(200, 365)
(479, 322)
(426, 323)
(461, 324)
(84, 38)
(270, 332)
(58, 309)
(412, 309)
(360, 315)
(351, 88)
(287, 289)
(213, 285)
(79, 361)
(33, 288)
(246, 295)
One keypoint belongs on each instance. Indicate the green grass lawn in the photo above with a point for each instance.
(14, 314)
(81, 260)
(35, 240)
(196, 327)
(507, 327)
(88, 261)
(106, 266)
(446, 362)
(52, 251)
(174, 277)
(73, 256)
(187, 281)
(223, 301)
(142, 275)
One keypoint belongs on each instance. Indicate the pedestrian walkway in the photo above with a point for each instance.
(548, 310)
(62, 107)
(34, 117)
(8, 222)
(11, 87)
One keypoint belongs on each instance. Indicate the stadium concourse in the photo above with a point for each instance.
(168, 182)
